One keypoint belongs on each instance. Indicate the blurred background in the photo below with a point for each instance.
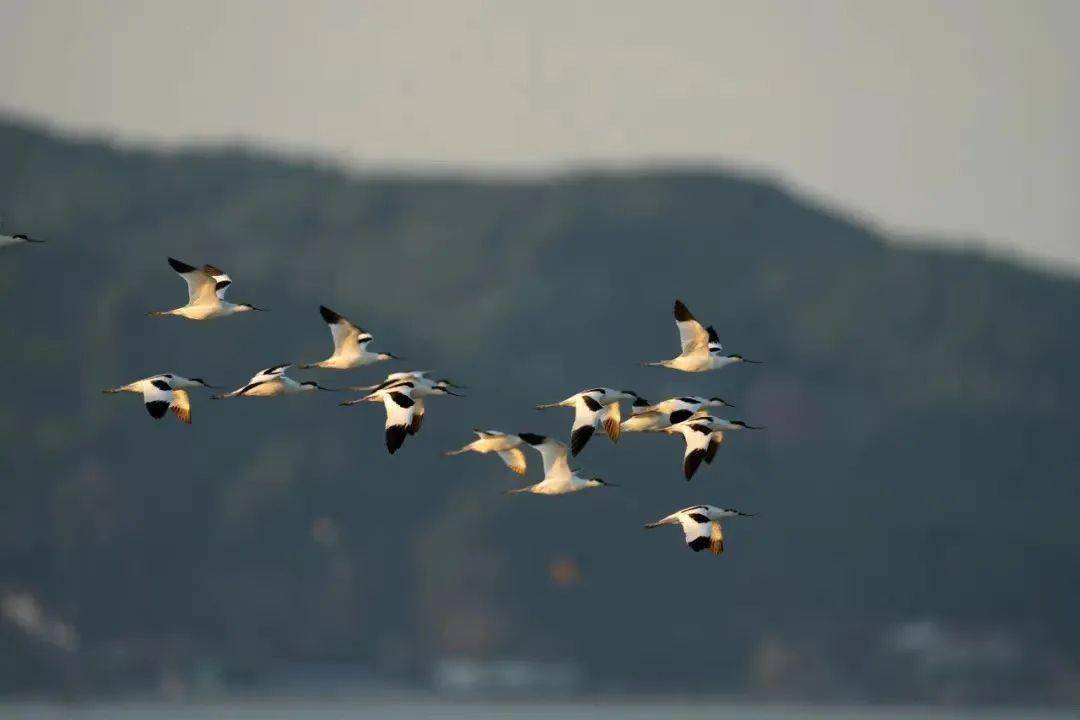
(878, 200)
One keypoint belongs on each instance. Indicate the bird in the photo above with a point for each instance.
(271, 382)
(395, 378)
(350, 345)
(701, 525)
(403, 398)
(591, 409)
(206, 294)
(17, 238)
(164, 392)
(654, 418)
(505, 445)
(701, 348)
(559, 478)
(703, 434)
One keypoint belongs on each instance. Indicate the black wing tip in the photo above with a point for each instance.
(532, 438)
(580, 437)
(713, 337)
(395, 437)
(329, 315)
(682, 313)
(180, 266)
(591, 403)
(700, 543)
(692, 462)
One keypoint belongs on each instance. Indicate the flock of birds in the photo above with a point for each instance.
(403, 396)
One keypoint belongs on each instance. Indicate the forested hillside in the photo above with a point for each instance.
(916, 483)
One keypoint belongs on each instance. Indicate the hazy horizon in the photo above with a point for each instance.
(952, 122)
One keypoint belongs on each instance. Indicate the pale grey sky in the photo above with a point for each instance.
(957, 118)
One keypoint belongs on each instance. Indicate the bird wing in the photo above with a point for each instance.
(418, 416)
(181, 405)
(692, 336)
(400, 409)
(157, 396)
(611, 417)
(201, 284)
(714, 340)
(514, 459)
(587, 411)
(342, 330)
(714, 445)
(221, 281)
(698, 437)
(700, 532)
(554, 454)
(270, 373)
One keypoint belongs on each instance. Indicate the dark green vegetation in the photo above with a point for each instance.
(920, 461)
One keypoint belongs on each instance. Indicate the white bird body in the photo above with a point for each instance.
(701, 526)
(703, 434)
(664, 414)
(350, 345)
(559, 478)
(206, 294)
(164, 392)
(271, 382)
(591, 409)
(701, 348)
(505, 445)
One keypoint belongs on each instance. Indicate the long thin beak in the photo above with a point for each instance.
(454, 393)
(455, 385)
(212, 387)
(742, 514)
(611, 484)
(754, 362)
(257, 308)
(392, 356)
(754, 427)
(30, 239)
(320, 387)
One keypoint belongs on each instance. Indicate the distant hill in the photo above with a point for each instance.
(919, 463)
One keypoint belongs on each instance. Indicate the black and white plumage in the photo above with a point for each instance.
(655, 418)
(701, 526)
(271, 382)
(505, 445)
(559, 478)
(206, 293)
(703, 434)
(593, 408)
(403, 397)
(350, 344)
(16, 238)
(701, 348)
(164, 392)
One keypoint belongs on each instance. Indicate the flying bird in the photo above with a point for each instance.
(559, 478)
(701, 348)
(703, 434)
(164, 392)
(655, 418)
(350, 345)
(206, 293)
(701, 526)
(505, 445)
(403, 398)
(591, 409)
(17, 238)
(271, 382)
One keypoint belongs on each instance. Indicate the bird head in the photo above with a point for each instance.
(309, 385)
(384, 356)
(743, 425)
(739, 358)
(599, 482)
(717, 402)
(248, 307)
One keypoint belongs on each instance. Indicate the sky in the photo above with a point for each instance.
(956, 119)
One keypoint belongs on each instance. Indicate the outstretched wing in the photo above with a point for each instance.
(587, 411)
(611, 417)
(181, 405)
(714, 445)
(271, 373)
(514, 459)
(157, 396)
(400, 409)
(700, 532)
(201, 284)
(418, 416)
(554, 454)
(692, 336)
(698, 437)
(344, 332)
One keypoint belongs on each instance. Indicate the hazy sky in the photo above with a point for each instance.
(953, 117)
